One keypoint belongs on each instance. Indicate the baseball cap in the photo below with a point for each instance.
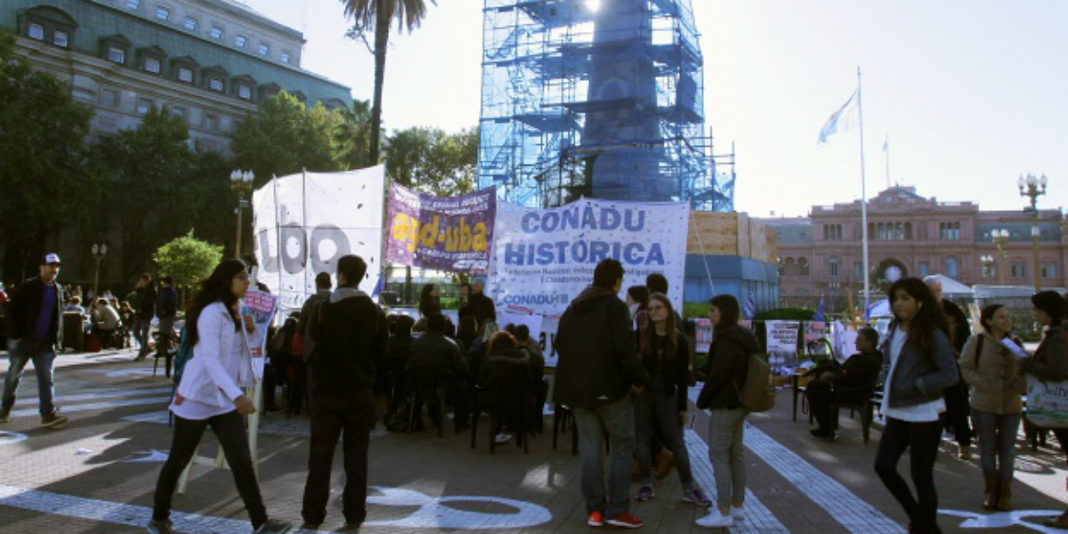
(51, 258)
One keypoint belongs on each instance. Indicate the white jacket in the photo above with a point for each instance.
(222, 363)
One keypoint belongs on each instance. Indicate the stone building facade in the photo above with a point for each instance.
(209, 61)
(912, 235)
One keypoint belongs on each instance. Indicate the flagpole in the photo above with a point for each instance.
(863, 196)
(886, 147)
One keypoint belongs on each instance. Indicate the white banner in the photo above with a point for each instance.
(542, 259)
(782, 336)
(314, 219)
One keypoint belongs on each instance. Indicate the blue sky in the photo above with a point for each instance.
(970, 92)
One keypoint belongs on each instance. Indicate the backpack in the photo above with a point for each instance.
(757, 394)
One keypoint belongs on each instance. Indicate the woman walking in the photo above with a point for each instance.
(1050, 361)
(918, 365)
(990, 367)
(210, 394)
(662, 404)
(725, 374)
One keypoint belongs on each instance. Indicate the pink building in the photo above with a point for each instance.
(910, 235)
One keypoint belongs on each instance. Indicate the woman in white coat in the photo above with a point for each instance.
(210, 394)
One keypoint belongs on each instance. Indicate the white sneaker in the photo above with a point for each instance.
(738, 512)
(715, 519)
(502, 438)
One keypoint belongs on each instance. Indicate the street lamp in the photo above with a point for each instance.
(1033, 187)
(240, 183)
(99, 251)
(1000, 238)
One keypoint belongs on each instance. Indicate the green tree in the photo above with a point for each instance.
(431, 161)
(376, 16)
(285, 137)
(187, 259)
(148, 186)
(352, 136)
(45, 179)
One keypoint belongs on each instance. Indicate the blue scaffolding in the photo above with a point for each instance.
(597, 98)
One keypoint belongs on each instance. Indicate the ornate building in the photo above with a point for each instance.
(911, 235)
(209, 61)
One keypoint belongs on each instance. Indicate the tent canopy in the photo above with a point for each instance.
(953, 288)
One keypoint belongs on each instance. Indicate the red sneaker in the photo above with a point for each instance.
(596, 519)
(625, 520)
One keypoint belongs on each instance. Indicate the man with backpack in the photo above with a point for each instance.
(598, 368)
(351, 341)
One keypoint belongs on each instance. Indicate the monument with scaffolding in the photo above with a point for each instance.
(597, 98)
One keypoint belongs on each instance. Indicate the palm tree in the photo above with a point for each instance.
(352, 134)
(379, 14)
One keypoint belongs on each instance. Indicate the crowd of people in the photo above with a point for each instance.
(623, 372)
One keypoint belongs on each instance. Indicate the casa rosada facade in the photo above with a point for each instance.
(911, 235)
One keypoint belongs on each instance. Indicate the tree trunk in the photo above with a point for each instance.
(381, 42)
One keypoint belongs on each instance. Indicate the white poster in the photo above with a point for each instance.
(782, 336)
(313, 219)
(542, 259)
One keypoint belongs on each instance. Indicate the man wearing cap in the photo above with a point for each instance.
(35, 330)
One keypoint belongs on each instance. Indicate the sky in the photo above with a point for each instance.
(969, 93)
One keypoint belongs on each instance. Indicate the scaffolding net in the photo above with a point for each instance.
(596, 98)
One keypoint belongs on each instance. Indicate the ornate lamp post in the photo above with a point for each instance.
(1000, 238)
(99, 251)
(240, 183)
(1033, 187)
(986, 262)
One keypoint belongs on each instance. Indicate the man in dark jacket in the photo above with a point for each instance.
(437, 363)
(167, 306)
(322, 294)
(851, 382)
(144, 309)
(353, 340)
(957, 406)
(478, 305)
(35, 330)
(598, 366)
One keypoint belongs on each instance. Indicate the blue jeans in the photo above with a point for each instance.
(43, 356)
(140, 332)
(997, 441)
(616, 420)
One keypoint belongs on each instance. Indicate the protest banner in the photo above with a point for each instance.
(262, 306)
(782, 336)
(304, 222)
(450, 234)
(542, 259)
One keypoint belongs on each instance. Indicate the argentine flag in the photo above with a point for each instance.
(843, 119)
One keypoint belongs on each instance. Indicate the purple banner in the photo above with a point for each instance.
(451, 234)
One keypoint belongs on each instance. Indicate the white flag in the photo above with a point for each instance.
(841, 120)
(886, 144)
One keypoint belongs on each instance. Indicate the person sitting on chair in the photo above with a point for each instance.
(436, 362)
(106, 323)
(859, 371)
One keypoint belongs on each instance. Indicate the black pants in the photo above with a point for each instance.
(349, 417)
(921, 439)
(956, 416)
(229, 428)
(819, 396)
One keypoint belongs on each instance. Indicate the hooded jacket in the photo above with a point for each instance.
(727, 366)
(598, 358)
(353, 340)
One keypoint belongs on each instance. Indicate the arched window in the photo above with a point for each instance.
(789, 267)
(802, 266)
(952, 267)
(832, 266)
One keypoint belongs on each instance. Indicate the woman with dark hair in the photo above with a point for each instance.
(732, 345)
(918, 365)
(507, 368)
(666, 357)
(210, 393)
(1050, 361)
(990, 367)
(429, 300)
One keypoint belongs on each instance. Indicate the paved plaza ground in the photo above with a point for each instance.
(97, 473)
